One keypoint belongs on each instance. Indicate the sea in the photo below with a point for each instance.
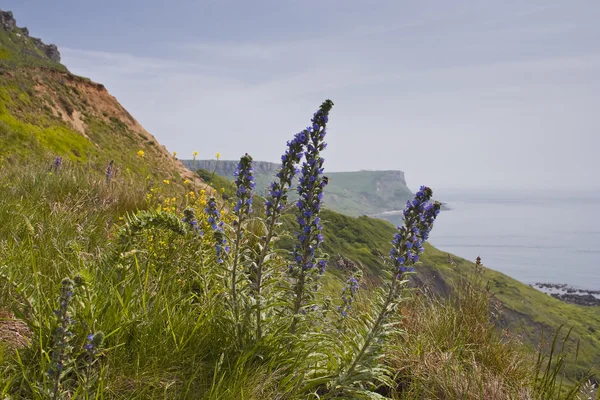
(534, 236)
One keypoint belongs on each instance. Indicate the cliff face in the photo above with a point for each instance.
(351, 193)
(227, 168)
(47, 111)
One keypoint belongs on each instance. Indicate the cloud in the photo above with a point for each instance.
(502, 100)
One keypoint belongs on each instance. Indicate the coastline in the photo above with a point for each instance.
(569, 294)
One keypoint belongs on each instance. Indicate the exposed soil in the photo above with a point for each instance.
(102, 104)
(14, 333)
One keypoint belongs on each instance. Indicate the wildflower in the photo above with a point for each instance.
(186, 182)
(189, 217)
(348, 294)
(166, 181)
(218, 155)
(221, 246)
(310, 193)
(278, 190)
(408, 241)
(57, 163)
(94, 342)
(174, 154)
(110, 171)
(310, 190)
(195, 154)
(407, 245)
(61, 350)
(244, 184)
(140, 153)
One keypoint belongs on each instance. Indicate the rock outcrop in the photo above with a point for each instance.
(7, 20)
(9, 24)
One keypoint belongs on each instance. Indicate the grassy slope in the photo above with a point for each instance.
(47, 111)
(526, 311)
(64, 223)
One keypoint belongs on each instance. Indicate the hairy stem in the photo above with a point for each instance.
(373, 331)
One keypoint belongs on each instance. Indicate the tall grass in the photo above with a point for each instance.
(130, 292)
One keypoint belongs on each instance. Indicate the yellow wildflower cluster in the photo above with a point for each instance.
(169, 205)
(140, 153)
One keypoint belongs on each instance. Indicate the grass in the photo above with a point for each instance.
(527, 313)
(16, 51)
(31, 125)
(148, 288)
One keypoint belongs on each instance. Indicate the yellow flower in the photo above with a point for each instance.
(218, 155)
(195, 153)
(186, 182)
(140, 153)
(192, 194)
(222, 190)
(174, 199)
(174, 154)
(166, 181)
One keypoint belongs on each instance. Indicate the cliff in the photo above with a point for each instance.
(352, 193)
(46, 111)
(29, 46)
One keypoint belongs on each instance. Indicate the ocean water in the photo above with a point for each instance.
(532, 236)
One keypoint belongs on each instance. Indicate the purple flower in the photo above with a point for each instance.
(216, 224)
(419, 216)
(244, 184)
(348, 294)
(310, 191)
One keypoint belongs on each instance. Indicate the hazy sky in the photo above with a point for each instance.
(455, 93)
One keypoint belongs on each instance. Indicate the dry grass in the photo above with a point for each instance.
(452, 350)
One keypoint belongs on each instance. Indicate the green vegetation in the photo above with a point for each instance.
(526, 312)
(49, 112)
(17, 50)
(143, 283)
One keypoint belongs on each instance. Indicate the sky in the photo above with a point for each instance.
(458, 94)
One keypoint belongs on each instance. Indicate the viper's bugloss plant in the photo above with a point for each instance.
(307, 265)
(214, 219)
(61, 348)
(244, 186)
(110, 170)
(189, 217)
(277, 199)
(92, 348)
(407, 244)
(56, 164)
(419, 216)
(348, 294)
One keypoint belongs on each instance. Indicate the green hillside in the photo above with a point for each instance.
(526, 312)
(45, 111)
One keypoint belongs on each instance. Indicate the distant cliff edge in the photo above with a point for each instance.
(352, 193)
